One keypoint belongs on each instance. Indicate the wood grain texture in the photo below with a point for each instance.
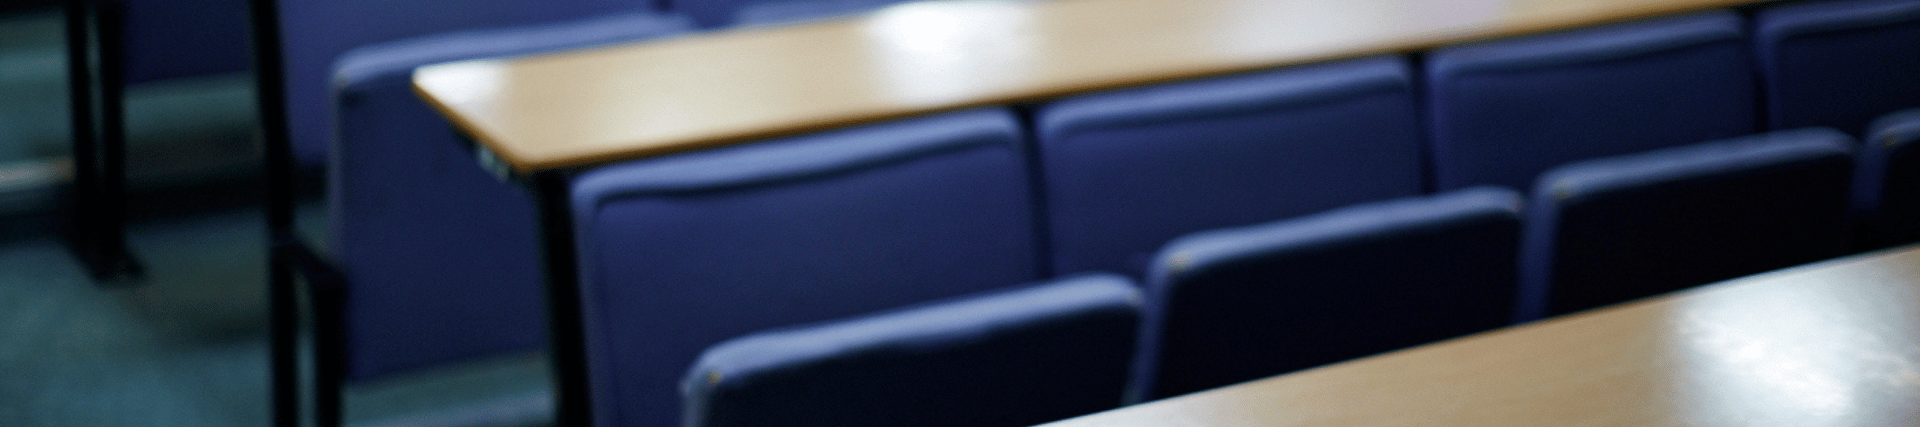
(636, 100)
(1831, 344)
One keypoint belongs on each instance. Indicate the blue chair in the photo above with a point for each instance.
(442, 261)
(724, 13)
(681, 252)
(1010, 358)
(1614, 229)
(1838, 63)
(1887, 189)
(1504, 111)
(1238, 304)
(1128, 170)
(315, 33)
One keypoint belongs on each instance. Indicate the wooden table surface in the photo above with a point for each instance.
(635, 100)
(1832, 344)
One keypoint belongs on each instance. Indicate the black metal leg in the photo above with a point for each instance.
(96, 226)
(568, 334)
(283, 355)
(329, 352)
(80, 87)
(269, 75)
(326, 288)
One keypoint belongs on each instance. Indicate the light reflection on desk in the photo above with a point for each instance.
(923, 49)
(1821, 353)
(1832, 344)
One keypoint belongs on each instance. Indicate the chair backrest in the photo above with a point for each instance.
(1613, 229)
(678, 253)
(1838, 63)
(1010, 358)
(1887, 189)
(779, 12)
(442, 260)
(316, 32)
(724, 13)
(165, 39)
(1233, 305)
(1506, 110)
(1128, 170)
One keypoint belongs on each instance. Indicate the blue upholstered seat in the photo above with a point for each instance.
(442, 260)
(314, 34)
(1128, 170)
(1506, 110)
(1608, 230)
(1839, 63)
(1887, 189)
(1015, 357)
(724, 13)
(1238, 304)
(681, 252)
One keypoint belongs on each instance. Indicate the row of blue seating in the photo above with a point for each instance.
(410, 209)
(1237, 304)
(1100, 187)
(1245, 302)
(814, 228)
(683, 251)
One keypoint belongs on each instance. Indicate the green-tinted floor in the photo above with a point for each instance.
(187, 345)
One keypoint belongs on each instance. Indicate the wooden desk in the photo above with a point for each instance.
(543, 117)
(629, 101)
(1836, 343)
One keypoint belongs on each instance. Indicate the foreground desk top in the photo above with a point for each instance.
(1833, 344)
(636, 100)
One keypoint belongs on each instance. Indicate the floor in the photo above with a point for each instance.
(185, 346)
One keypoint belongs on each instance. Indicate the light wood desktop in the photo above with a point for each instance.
(1831, 344)
(636, 100)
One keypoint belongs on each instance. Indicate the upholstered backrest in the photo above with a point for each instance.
(1608, 230)
(681, 252)
(1010, 358)
(1838, 63)
(1244, 303)
(1504, 111)
(789, 11)
(725, 13)
(1127, 170)
(1887, 189)
(442, 260)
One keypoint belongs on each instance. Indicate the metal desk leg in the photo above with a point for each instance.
(568, 335)
(283, 303)
(97, 228)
